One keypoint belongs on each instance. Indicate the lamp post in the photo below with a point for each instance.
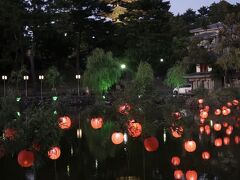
(26, 78)
(4, 78)
(41, 78)
(78, 77)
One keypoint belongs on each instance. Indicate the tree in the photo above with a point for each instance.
(102, 71)
(53, 77)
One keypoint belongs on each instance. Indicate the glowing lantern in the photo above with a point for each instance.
(177, 132)
(235, 102)
(218, 142)
(124, 109)
(207, 129)
(151, 144)
(175, 160)
(229, 104)
(64, 122)
(201, 129)
(228, 131)
(178, 174)
(191, 175)
(205, 155)
(206, 108)
(237, 139)
(97, 123)
(200, 101)
(217, 112)
(225, 124)
(190, 146)
(134, 128)
(226, 140)
(204, 114)
(177, 115)
(202, 120)
(230, 127)
(226, 111)
(54, 153)
(25, 158)
(217, 127)
(117, 137)
(9, 133)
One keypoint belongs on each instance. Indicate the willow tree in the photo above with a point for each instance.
(102, 71)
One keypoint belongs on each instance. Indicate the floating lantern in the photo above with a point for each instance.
(200, 101)
(151, 144)
(205, 155)
(235, 102)
(175, 160)
(191, 175)
(190, 146)
(134, 128)
(25, 158)
(228, 131)
(207, 108)
(204, 114)
(117, 137)
(218, 142)
(226, 140)
(97, 123)
(64, 122)
(225, 124)
(217, 127)
(229, 104)
(201, 129)
(178, 174)
(177, 131)
(237, 139)
(124, 109)
(54, 153)
(217, 112)
(202, 120)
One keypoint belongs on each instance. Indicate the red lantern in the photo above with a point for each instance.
(9, 134)
(64, 122)
(54, 153)
(205, 155)
(177, 131)
(237, 139)
(25, 158)
(217, 112)
(178, 174)
(226, 111)
(124, 109)
(204, 114)
(200, 101)
(134, 128)
(218, 142)
(190, 146)
(226, 140)
(151, 144)
(191, 175)
(235, 102)
(175, 160)
(117, 138)
(97, 123)
(217, 127)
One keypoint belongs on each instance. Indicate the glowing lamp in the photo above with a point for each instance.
(97, 123)
(226, 140)
(25, 158)
(217, 127)
(217, 112)
(200, 101)
(117, 137)
(134, 128)
(175, 160)
(64, 122)
(178, 174)
(218, 142)
(190, 146)
(54, 153)
(151, 144)
(205, 155)
(204, 114)
(191, 175)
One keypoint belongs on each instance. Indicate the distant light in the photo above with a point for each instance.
(4, 77)
(79, 133)
(93, 37)
(211, 123)
(72, 151)
(161, 60)
(52, 22)
(65, 34)
(54, 98)
(40, 77)
(18, 114)
(68, 170)
(164, 135)
(104, 97)
(25, 78)
(125, 138)
(123, 66)
(18, 99)
(96, 163)
(78, 76)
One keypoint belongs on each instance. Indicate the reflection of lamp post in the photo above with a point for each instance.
(4, 78)
(41, 78)
(25, 78)
(78, 77)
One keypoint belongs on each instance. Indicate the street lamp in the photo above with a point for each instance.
(161, 60)
(78, 77)
(4, 78)
(123, 66)
(26, 78)
(41, 78)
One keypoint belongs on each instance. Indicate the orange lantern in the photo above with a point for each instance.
(117, 137)
(25, 158)
(235, 102)
(237, 139)
(54, 153)
(191, 175)
(175, 160)
(217, 112)
(151, 144)
(134, 128)
(226, 140)
(9, 134)
(178, 174)
(228, 131)
(204, 114)
(64, 122)
(124, 109)
(218, 142)
(217, 127)
(205, 155)
(177, 132)
(97, 123)
(190, 146)
(200, 101)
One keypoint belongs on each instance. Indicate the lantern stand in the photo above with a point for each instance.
(41, 78)
(78, 77)
(4, 78)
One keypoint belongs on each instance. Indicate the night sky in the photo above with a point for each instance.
(180, 6)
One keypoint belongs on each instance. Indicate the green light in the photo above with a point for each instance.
(55, 98)
(18, 99)
(18, 114)
(123, 66)
(55, 112)
(104, 97)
